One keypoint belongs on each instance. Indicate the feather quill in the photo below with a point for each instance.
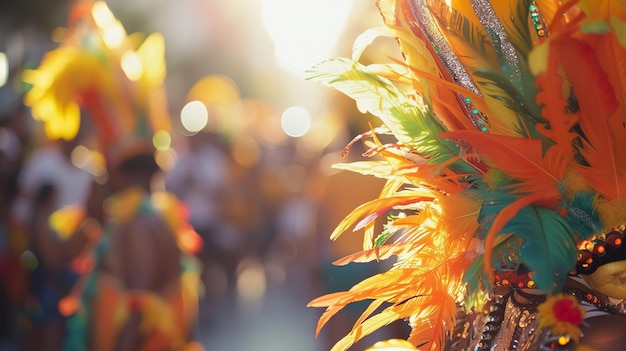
(378, 207)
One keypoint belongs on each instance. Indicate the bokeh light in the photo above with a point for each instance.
(89, 160)
(4, 69)
(251, 281)
(214, 90)
(296, 121)
(113, 31)
(162, 140)
(325, 129)
(28, 260)
(165, 159)
(194, 116)
(131, 64)
(80, 156)
(102, 15)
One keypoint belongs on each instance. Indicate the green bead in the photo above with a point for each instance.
(468, 100)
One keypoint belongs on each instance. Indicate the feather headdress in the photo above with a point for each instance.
(511, 135)
(103, 72)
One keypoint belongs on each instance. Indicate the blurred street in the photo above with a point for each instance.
(279, 321)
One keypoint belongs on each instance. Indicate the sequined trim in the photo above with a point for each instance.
(538, 22)
(509, 59)
(449, 59)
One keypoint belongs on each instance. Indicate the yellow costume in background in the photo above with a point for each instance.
(101, 304)
(168, 316)
(118, 80)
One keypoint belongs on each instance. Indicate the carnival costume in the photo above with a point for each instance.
(506, 173)
(100, 70)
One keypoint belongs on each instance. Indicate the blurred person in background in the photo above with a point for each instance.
(13, 278)
(48, 182)
(51, 163)
(140, 284)
(56, 244)
(51, 275)
(141, 266)
(200, 179)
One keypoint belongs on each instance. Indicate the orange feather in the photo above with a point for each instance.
(375, 207)
(379, 253)
(598, 120)
(550, 96)
(521, 159)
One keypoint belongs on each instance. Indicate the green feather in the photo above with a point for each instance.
(494, 84)
(388, 232)
(408, 120)
(475, 276)
(544, 241)
(583, 215)
(477, 282)
(549, 245)
(493, 203)
(373, 94)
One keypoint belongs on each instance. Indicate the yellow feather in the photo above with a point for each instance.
(374, 323)
(459, 216)
(377, 205)
(612, 213)
(392, 345)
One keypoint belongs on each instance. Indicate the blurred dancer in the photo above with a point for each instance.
(141, 267)
(141, 290)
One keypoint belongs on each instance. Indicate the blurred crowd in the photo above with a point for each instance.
(264, 226)
(263, 204)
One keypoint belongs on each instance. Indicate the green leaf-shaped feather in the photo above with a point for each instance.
(410, 122)
(549, 245)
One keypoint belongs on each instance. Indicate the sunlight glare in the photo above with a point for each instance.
(304, 32)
